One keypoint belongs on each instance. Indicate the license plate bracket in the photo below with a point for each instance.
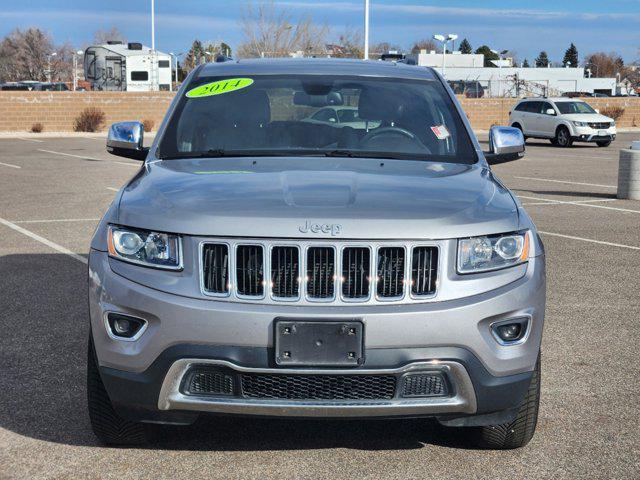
(325, 343)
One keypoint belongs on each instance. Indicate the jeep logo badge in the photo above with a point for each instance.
(332, 228)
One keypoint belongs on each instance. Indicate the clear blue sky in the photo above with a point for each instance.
(524, 26)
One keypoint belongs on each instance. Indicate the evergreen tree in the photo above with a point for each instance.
(194, 56)
(543, 60)
(488, 55)
(570, 56)
(525, 64)
(465, 47)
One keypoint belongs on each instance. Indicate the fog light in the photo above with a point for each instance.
(510, 331)
(507, 332)
(125, 327)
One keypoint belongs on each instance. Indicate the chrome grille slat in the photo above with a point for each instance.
(285, 272)
(320, 272)
(391, 264)
(355, 272)
(423, 270)
(250, 270)
(216, 268)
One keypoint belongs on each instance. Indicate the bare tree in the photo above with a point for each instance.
(424, 44)
(604, 64)
(270, 31)
(27, 55)
(102, 36)
(350, 44)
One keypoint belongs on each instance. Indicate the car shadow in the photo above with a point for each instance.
(44, 321)
(566, 193)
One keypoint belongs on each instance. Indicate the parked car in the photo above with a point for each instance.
(14, 86)
(340, 116)
(51, 87)
(262, 265)
(563, 121)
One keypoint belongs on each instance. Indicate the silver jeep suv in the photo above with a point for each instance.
(260, 264)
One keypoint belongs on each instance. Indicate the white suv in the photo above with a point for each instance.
(563, 121)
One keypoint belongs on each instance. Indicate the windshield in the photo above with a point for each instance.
(574, 107)
(315, 115)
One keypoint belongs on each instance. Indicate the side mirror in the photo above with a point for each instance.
(505, 145)
(550, 111)
(125, 139)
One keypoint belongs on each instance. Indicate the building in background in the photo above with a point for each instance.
(115, 66)
(510, 81)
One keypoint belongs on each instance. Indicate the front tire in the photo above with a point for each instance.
(520, 431)
(563, 137)
(108, 426)
(604, 143)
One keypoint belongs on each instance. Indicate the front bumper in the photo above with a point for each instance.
(143, 377)
(588, 134)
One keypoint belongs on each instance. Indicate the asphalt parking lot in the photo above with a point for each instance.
(52, 193)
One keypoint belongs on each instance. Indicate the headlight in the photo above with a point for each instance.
(581, 124)
(481, 254)
(152, 249)
(613, 123)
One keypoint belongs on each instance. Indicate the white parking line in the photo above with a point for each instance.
(112, 189)
(56, 220)
(631, 247)
(48, 243)
(86, 157)
(30, 139)
(566, 181)
(10, 165)
(580, 203)
(557, 202)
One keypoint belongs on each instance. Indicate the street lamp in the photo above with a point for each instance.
(444, 40)
(49, 55)
(75, 68)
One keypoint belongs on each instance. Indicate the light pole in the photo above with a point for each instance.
(366, 29)
(154, 63)
(75, 68)
(175, 57)
(445, 40)
(500, 54)
(52, 54)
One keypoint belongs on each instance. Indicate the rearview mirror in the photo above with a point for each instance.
(125, 139)
(550, 111)
(505, 145)
(307, 100)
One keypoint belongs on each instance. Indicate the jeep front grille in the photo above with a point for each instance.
(301, 271)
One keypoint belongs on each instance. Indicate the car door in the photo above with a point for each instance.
(528, 118)
(547, 123)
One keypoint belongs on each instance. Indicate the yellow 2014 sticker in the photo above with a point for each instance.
(219, 87)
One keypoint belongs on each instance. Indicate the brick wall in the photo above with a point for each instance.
(57, 110)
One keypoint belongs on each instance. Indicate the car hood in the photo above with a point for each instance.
(587, 117)
(317, 197)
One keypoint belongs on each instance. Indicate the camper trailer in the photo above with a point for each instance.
(117, 67)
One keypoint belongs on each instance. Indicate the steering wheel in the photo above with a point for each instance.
(378, 134)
